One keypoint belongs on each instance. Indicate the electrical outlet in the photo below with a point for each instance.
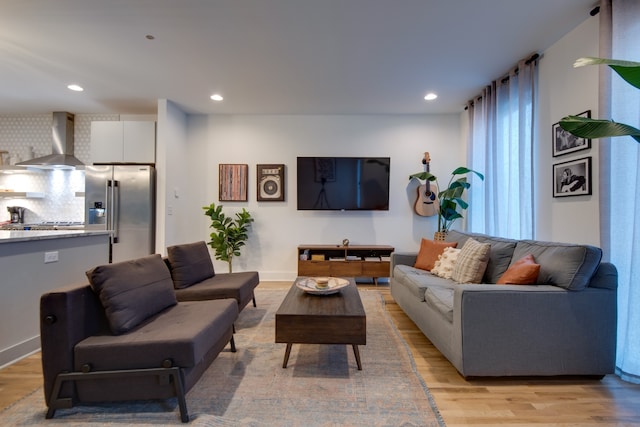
(50, 257)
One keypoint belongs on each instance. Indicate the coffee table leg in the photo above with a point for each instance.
(286, 355)
(356, 352)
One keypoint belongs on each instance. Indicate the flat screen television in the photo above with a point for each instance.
(343, 183)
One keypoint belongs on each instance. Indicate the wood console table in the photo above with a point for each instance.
(345, 261)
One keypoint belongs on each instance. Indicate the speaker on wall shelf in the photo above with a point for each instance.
(270, 183)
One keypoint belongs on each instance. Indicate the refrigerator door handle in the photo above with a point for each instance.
(108, 197)
(115, 206)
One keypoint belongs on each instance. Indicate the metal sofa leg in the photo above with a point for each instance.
(254, 301)
(232, 342)
(172, 372)
(179, 391)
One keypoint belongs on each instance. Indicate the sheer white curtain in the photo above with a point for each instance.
(501, 123)
(620, 179)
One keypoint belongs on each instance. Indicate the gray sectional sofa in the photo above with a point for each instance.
(565, 324)
(127, 336)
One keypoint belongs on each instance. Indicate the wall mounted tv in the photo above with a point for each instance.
(343, 183)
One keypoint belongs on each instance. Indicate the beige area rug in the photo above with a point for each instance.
(320, 387)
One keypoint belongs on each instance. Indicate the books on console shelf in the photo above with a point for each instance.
(372, 258)
(336, 258)
(385, 258)
(353, 258)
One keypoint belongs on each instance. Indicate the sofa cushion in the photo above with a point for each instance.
(132, 291)
(183, 334)
(522, 272)
(190, 263)
(565, 265)
(239, 285)
(500, 255)
(429, 252)
(441, 299)
(417, 281)
(445, 263)
(472, 262)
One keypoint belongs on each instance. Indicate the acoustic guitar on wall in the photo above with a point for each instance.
(427, 203)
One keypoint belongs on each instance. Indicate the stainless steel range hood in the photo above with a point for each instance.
(62, 147)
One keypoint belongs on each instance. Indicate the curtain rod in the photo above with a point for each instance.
(532, 58)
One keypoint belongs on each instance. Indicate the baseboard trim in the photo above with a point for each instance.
(19, 351)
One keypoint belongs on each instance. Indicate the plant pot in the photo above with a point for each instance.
(439, 236)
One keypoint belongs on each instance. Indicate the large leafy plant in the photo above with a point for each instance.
(583, 127)
(451, 203)
(230, 233)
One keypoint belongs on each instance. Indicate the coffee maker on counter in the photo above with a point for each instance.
(17, 214)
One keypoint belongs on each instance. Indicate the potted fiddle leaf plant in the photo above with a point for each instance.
(230, 233)
(584, 127)
(450, 201)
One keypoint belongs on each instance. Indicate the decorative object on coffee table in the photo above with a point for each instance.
(321, 285)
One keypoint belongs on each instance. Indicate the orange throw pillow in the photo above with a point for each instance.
(522, 272)
(430, 250)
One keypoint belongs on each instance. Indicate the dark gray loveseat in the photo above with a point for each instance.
(194, 277)
(565, 324)
(127, 337)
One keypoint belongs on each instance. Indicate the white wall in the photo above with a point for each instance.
(279, 227)
(172, 184)
(565, 90)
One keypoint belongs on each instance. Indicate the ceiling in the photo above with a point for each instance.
(267, 56)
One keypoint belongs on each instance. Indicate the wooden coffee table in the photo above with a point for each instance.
(322, 319)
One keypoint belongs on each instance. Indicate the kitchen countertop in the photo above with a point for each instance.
(11, 236)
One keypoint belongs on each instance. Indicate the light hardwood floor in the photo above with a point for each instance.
(505, 401)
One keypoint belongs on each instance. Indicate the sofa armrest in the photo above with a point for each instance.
(501, 328)
(402, 258)
(606, 277)
(67, 316)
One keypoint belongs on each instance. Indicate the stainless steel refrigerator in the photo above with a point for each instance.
(122, 198)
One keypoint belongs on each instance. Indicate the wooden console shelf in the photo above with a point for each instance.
(344, 261)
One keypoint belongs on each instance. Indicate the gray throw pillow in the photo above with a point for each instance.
(132, 291)
(190, 263)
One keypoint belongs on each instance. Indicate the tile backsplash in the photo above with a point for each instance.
(21, 134)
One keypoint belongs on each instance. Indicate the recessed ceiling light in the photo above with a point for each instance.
(217, 97)
(430, 96)
(75, 88)
(150, 37)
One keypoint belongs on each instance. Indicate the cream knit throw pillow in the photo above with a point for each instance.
(446, 260)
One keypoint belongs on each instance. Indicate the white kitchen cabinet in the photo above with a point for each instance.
(123, 142)
(21, 195)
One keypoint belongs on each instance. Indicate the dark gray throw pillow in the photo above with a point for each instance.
(133, 291)
(190, 263)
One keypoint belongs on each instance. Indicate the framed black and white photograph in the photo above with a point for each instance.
(572, 178)
(565, 142)
(270, 183)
